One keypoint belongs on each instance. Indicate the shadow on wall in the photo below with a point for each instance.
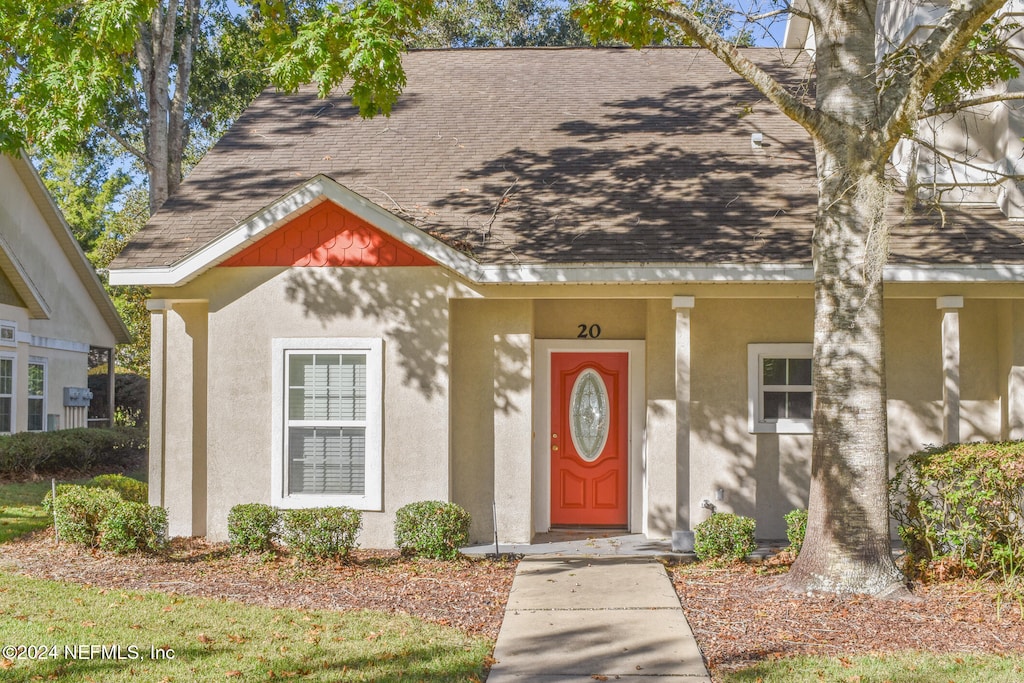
(410, 305)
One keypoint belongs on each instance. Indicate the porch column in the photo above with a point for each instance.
(178, 413)
(513, 424)
(950, 307)
(1011, 320)
(683, 535)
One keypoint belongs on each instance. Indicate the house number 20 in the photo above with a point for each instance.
(589, 331)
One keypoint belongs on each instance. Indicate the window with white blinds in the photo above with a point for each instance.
(330, 424)
(36, 394)
(6, 394)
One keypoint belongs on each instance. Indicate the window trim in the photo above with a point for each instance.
(755, 388)
(14, 391)
(36, 360)
(13, 327)
(373, 348)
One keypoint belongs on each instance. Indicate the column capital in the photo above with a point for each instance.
(947, 302)
(168, 304)
(682, 302)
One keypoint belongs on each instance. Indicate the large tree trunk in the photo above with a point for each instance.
(847, 547)
(165, 130)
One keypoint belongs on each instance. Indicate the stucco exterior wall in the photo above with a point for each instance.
(492, 416)
(73, 314)
(763, 475)
(461, 392)
(405, 307)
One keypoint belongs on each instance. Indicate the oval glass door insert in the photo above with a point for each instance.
(589, 414)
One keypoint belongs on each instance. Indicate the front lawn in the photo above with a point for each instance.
(905, 667)
(75, 633)
(20, 509)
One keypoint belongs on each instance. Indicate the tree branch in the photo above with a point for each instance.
(999, 175)
(126, 143)
(901, 104)
(954, 107)
(793, 107)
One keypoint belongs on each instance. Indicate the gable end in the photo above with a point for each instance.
(328, 235)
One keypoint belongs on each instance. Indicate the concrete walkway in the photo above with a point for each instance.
(594, 618)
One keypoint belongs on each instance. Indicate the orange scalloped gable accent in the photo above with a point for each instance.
(328, 235)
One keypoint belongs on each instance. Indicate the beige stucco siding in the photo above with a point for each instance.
(405, 307)
(763, 475)
(462, 400)
(73, 314)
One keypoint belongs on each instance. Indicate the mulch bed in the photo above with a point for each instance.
(740, 618)
(468, 595)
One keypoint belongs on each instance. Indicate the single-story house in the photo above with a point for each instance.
(574, 283)
(53, 309)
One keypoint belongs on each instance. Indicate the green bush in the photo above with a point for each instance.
(796, 529)
(321, 533)
(79, 511)
(131, 526)
(960, 506)
(724, 536)
(253, 527)
(432, 528)
(128, 488)
(35, 453)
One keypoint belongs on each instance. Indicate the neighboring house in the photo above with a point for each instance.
(53, 309)
(574, 282)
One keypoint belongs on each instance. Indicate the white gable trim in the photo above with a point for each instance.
(309, 194)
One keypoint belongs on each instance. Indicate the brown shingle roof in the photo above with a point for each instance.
(554, 155)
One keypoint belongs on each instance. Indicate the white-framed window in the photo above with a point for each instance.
(7, 364)
(36, 394)
(780, 388)
(8, 333)
(328, 412)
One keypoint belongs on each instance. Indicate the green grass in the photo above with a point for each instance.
(905, 667)
(21, 511)
(213, 640)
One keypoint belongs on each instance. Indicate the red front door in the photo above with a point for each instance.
(589, 439)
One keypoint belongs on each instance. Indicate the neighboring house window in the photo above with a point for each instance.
(36, 394)
(8, 333)
(6, 394)
(780, 388)
(328, 422)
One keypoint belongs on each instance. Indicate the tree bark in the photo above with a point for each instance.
(847, 548)
(165, 130)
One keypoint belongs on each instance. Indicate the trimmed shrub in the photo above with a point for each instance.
(796, 529)
(723, 537)
(959, 507)
(33, 453)
(131, 526)
(128, 488)
(321, 533)
(432, 529)
(253, 527)
(79, 511)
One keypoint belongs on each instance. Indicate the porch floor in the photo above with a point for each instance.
(580, 542)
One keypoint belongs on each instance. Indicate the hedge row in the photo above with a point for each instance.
(107, 515)
(80, 449)
(426, 529)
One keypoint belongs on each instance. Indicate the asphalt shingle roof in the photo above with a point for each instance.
(555, 155)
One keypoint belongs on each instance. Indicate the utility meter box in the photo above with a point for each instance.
(77, 397)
